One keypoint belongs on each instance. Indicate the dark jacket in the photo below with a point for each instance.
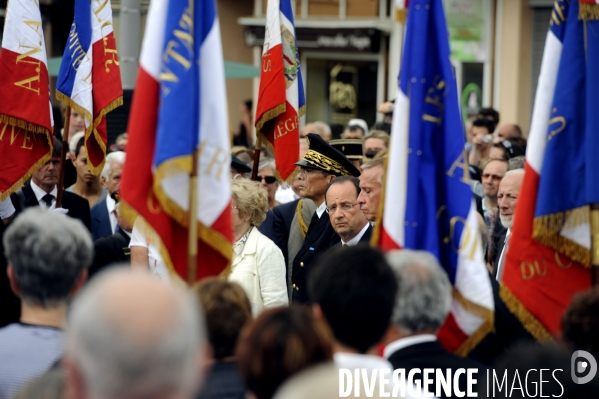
(319, 238)
(100, 220)
(78, 206)
(109, 250)
(223, 382)
(364, 240)
(433, 355)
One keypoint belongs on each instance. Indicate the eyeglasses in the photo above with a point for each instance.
(344, 207)
(267, 179)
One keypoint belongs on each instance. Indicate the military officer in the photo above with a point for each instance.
(321, 164)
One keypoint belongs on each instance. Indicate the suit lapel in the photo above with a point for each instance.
(30, 199)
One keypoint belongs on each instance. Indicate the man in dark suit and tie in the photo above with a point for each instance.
(422, 305)
(102, 213)
(345, 214)
(42, 191)
(319, 166)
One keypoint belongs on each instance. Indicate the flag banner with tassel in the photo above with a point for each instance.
(281, 99)
(25, 110)
(549, 253)
(179, 106)
(89, 80)
(428, 203)
(401, 9)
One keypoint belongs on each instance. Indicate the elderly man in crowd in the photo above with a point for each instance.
(103, 216)
(507, 199)
(422, 304)
(347, 219)
(321, 164)
(375, 142)
(371, 184)
(131, 336)
(319, 128)
(48, 255)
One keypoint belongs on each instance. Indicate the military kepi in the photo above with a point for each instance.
(351, 148)
(322, 156)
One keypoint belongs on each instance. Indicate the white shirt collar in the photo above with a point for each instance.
(39, 192)
(320, 210)
(110, 205)
(358, 237)
(405, 342)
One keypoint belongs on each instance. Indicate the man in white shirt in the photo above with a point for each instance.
(347, 218)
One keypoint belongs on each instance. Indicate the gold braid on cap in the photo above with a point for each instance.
(326, 163)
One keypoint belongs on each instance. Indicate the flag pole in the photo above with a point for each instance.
(63, 155)
(192, 242)
(257, 149)
(594, 208)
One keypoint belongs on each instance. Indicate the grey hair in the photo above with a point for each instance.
(516, 163)
(48, 252)
(115, 364)
(74, 140)
(266, 162)
(324, 129)
(373, 163)
(114, 157)
(424, 291)
(514, 172)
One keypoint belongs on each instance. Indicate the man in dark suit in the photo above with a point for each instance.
(347, 219)
(319, 166)
(42, 191)
(102, 213)
(113, 249)
(422, 305)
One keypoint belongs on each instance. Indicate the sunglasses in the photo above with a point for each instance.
(267, 179)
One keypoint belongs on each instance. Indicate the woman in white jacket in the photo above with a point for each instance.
(258, 264)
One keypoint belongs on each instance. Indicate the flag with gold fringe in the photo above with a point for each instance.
(25, 111)
(427, 196)
(281, 99)
(549, 254)
(89, 80)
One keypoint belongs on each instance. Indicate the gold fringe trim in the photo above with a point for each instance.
(475, 338)
(530, 322)
(484, 313)
(303, 227)
(210, 236)
(588, 12)
(261, 138)
(23, 124)
(270, 114)
(302, 111)
(401, 15)
(63, 98)
(38, 164)
(546, 230)
(97, 169)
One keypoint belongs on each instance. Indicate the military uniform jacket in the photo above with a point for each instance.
(320, 237)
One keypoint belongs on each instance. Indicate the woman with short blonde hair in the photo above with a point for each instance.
(258, 264)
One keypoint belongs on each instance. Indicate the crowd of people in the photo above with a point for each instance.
(305, 293)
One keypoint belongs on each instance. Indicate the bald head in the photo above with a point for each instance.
(130, 335)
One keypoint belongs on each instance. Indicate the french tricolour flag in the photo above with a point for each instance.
(180, 111)
(25, 110)
(89, 80)
(549, 255)
(428, 204)
(281, 99)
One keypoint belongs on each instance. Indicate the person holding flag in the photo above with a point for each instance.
(281, 99)
(89, 80)
(427, 196)
(548, 257)
(26, 123)
(177, 175)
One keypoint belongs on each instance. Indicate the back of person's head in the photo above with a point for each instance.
(227, 309)
(580, 322)
(48, 254)
(516, 163)
(278, 344)
(130, 335)
(347, 284)
(424, 291)
(74, 140)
